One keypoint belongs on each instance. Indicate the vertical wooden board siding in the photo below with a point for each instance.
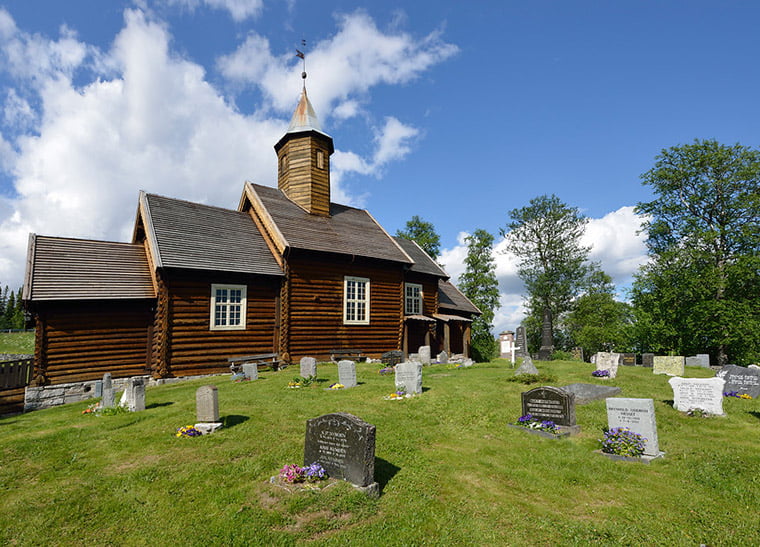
(84, 340)
(316, 306)
(195, 348)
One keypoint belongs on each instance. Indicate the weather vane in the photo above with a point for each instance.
(301, 54)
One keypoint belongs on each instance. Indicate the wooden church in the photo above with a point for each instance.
(287, 273)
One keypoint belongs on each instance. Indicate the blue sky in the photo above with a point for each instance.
(454, 111)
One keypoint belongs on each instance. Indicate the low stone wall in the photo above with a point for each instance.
(37, 398)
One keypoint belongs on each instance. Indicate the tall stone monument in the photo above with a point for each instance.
(547, 344)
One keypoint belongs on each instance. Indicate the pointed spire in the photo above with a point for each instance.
(304, 118)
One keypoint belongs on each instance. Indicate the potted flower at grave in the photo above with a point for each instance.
(621, 441)
(600, 373)
(528, 421)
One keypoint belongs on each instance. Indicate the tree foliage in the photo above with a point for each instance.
(479, 284)
(598, 322)
(545, 236)
(11, 309)
(700, 290)
(424, 234)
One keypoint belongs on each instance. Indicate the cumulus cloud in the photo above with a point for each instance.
(239, 10)
(615, 243)
(85, 129)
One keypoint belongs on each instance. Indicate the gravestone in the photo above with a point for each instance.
(107, 401)
(308, 367)
(647, 360)
(424, 355)
(608, 361)
(443, 357)
(547, 344)
(668, 364)
(409, 377)
(577, 354)
(344, 445)
(741, 380)
(638, 416)
(527, 366)
(521, 342)
(207, 404)
(585, 393)
(347, 373)
(250, 371)
(392, 358)
(550, 403)
(700, 360)
(628, 359)
(698, 393)
(135, 394)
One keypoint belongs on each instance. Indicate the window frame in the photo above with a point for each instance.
(347, 301)
(227, 306)
(418, 299)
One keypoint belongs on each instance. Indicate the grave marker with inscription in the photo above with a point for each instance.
(521, 342)
(107, 401)
(347, 373)
(647, 360)
(668, 364)
(134, 394)
(628, 359)
(741, 380)
(698, 393)
(638, 416)
(609, 362)
(250, 371)
(699, 360)
(207, 404)
(308, 367)
(409, 377)
(424, 355)
(345, 447)
(550, 403)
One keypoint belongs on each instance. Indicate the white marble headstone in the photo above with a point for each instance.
(409, 377)
(608, 361)
(698, 393)
(638, 416)
(308, 367)
(347, 373)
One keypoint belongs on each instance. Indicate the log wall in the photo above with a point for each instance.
(315, 315)
(193, 348)
(82, 340)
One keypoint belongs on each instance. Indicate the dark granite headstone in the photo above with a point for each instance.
(521, 342)
(585, 393)
(628, 359)
(647, 360)
(391, 358)
(547, 344)
(550, 403)
(741, 380)
(344, 445)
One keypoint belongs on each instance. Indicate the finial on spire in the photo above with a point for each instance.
(302, 56)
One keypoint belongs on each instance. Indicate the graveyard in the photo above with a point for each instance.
(448, 468)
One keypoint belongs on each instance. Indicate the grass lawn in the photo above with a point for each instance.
(451, 472)
(17, 342)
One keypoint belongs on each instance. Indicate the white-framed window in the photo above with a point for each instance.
(355, 300)
(412, 299)
(228, 304)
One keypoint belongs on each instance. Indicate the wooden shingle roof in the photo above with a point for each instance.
(189, 235)
(77, 269)
(451, 298)
(422, 261)
(347, 230)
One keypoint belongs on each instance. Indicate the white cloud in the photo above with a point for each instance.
(239, 10)
(358, 57)
(147, 118)
(614, 243)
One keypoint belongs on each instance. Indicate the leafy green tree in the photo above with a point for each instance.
(699, 292)
(597, 322)
(479, 284)
(424, 234)
(545, 236)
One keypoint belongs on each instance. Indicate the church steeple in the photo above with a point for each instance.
(303, 160)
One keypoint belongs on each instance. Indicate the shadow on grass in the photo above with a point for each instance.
(158, 405)
(669, 402)
(755, 413)
(233, 420)
(384, 471)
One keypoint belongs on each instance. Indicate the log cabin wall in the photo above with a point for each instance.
(194, 349)
(429, 291)
(316, 305)
(78, 341)
(417, 330)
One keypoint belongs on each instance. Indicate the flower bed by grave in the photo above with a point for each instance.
(620, 443)
(600, 373)
(542, 428)
(293, 477)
